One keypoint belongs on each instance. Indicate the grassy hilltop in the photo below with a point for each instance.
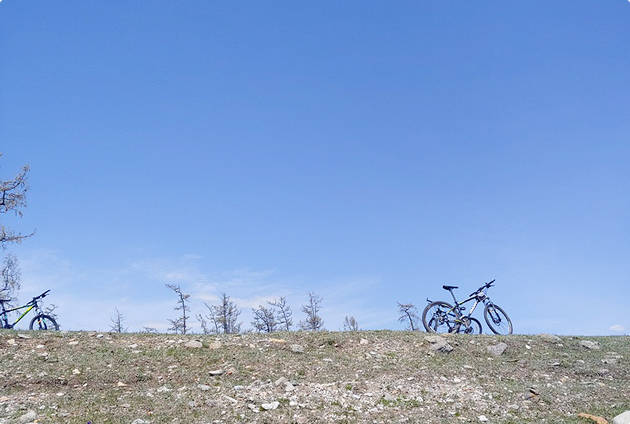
(298, 377)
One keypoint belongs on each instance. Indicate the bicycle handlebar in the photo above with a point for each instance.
(41, 296)
(485, 286)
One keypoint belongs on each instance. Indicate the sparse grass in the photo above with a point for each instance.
(395, 377)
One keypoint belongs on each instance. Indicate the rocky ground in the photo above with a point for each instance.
(298, 377)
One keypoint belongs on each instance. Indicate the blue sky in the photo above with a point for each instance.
(367, 151)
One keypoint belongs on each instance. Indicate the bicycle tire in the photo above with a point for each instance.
(497, 319)
(435, 318)
(43, 322)
(470, 325)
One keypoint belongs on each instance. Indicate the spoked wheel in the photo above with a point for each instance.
(497, 319)
(469, 325)
(43, 322)
(437, 319)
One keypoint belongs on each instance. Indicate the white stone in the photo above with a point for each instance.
(270, 406)
(623, 418)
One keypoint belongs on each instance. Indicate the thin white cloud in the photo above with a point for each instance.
(617, 328)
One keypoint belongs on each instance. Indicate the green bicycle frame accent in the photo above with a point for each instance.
(5, 313)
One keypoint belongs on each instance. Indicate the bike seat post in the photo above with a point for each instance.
(453, 295)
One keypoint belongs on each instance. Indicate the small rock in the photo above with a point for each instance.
(73, 343)
(389, 398)
(623, 418)
(289, 387)
(121, 384)
(270, 406)
(215, 345)
(76, 372)
(215, 373)
(30, 416)
(231, 399)
(442, 347)
(498, 349)
(598, 420)
(434, 339)
(588, 344)
(203, 387)
(364, 341)
(550, 338)
(482, 418)
(140, 421)
(12, 342)
(195, 344)
(279, 381)
(23, 336)
(297, 348)
(277, 341)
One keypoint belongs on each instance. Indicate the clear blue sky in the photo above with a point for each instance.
(367, 151)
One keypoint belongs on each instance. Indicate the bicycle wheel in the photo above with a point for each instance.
(437, 319)
(497, 319)
(43, 322)
(469, 325)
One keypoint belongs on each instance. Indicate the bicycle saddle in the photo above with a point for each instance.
(449, 287)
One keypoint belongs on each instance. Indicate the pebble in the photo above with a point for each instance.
(270, 406)
(194, 344)
(588, 344)
(296, 348)
(623, 418)
(498, 349)
(28, 417)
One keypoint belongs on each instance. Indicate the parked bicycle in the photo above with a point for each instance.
(442, 317)
(41, 321)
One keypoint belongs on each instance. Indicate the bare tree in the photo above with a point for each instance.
(350, 324)
(9, 277)
(223, 317)
(150, 330)
(179, 325)
(264, 320)
(408, 313)
(283, 313)
(313, 321)
(117, 323)
(204, 324)
(12, 200)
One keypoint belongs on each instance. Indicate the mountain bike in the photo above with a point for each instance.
(41, 321)
(442, 317)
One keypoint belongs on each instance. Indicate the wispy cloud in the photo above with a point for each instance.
(617, 328)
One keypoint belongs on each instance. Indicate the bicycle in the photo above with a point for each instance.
(41, 321)
(442, 317)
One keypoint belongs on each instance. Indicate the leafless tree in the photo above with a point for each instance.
(264, 320)
(408, 313)
(204, 324)
(12, 200)
(117, 323)
(350, 324)
(150, 330)
(179, 325)
(223, 317)
(283, 313)
(9, 277)
(313, 321)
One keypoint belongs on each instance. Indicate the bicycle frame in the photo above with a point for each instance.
(458, 305)
(5, 314)
(32, 304)
(479, 296)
